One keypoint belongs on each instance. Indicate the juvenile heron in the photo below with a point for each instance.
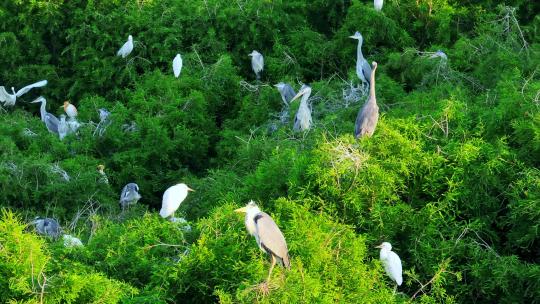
(257, 63)
(177, 65)
(378, 5)
(71, 241)
(302, 120)
(10, 99)
(172, 198)
(126, 49)
(287, 94)
(368, 116)
(439, 54)
(51, 122)
(63, 128)
(129, 196)
(363, 70)
(267, 235)
(391, 263)
(48, 227)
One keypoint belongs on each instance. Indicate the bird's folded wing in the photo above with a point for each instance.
(270, 235)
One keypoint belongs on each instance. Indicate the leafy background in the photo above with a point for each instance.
(450, 177)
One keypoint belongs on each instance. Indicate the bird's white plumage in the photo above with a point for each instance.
(257, 63)
(70, 110)
(71, 241)
(126, 49)
(63, 127)
(378, 4)
(303, 120)
(172, 198)
(10, 99)
(177, 65)
(391, 263)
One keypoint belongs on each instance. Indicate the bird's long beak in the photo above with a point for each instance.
(297, 95)
(241, 210)
(353, 37)
(276, 85)
(189, 189)
(380, 246)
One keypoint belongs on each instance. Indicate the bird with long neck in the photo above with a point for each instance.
(302, 120)
(368, 116)
(363, 70)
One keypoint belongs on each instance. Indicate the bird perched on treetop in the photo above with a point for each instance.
(363, 70)
(172, 198)
(391, 263)
(368, 116)
(257, 63)
(48, 227)
(129, 196)
(126, 49)
(302, 120)
(177, 65)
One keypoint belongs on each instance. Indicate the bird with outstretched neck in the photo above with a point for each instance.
(368, 116)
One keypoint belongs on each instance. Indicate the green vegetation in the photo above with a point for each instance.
(451, 176)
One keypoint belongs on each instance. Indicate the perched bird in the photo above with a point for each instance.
(302, 120)
(287, 92)
(63, 128)
(177, 65)
(103, 179)
(378, 5)
(172, 198)
(71, 241)
(103, 114)
(363, 70)
(126, 49)
(391, 263)
(267, 235)
(48, 227)
(129, 196)
(439, 54)
(257, 63)
(10, 99)
(104, 121)
(70, 109)
(368, 116)
(51, 122)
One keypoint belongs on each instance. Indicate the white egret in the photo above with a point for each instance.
(391, 263)
(126, 49)
(129, 196)
(363, 70)
(63, 128)
(48, 227)
(177, 65)
(172, 198)
(302, 120)
(378, 5)
(368, 116)
(267, 235)
(51, 122)
(257, 63)
(10, 99)
(71, 241)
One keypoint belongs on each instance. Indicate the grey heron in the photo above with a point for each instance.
(63, 128)
(48, 227)
(378, 5)
(172, 198)
(51, 122)
(363, 70)
(257, 63)
(177, 65)
(267, 235)
(129, 196)
(391, 263)
(10, 99)
(126, 49)
(368, 116)
(302, 120)
(439, 54)
(287, 94)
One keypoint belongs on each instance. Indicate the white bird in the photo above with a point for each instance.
(302, 120)
(70, 109)
(391, 263)
(257, 63)
(126, 49)
(172, 198)
(363, 69)
(63, 128)
(267, 235)
(378, 5)
(51, 122)
(177, 65)
(71, 241)
(10, 99)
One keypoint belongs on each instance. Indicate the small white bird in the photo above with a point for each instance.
(177, 65)
(126, 49)
(378, 5)
(172, 198)
(391, 262)
(257, 63)
(10, 99)
(71, 241)
(63, 128)
(70, 109)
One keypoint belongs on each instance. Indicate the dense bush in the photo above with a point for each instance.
(451, 176)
